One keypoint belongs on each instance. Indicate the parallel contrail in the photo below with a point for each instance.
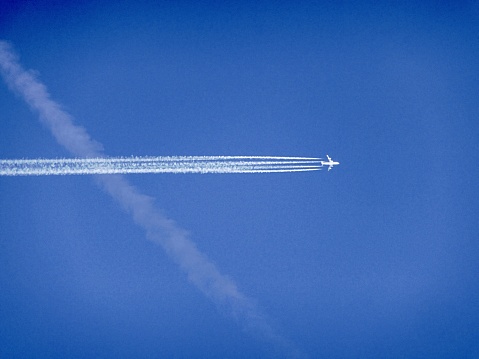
(200, 270)
(163, 164)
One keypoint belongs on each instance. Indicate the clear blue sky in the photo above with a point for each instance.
(377, 258)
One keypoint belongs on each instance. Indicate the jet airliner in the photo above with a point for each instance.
(329, 163)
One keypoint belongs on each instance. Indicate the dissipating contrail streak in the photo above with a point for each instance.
(161, 164)
(199, 269)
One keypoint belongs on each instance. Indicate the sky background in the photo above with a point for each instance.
(377, 258)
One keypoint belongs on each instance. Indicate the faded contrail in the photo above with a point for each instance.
(170, 164)
(201, 271)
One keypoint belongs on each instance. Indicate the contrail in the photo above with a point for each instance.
(201, 271)
(169, 164)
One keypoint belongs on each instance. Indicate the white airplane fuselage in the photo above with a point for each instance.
(329, 163)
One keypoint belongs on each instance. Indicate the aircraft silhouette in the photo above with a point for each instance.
(329, 163)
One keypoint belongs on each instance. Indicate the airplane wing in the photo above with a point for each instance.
(329, 158)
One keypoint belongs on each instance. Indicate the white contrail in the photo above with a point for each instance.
(174, 240)
(170, 164)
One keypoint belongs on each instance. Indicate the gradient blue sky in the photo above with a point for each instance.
(377, 258)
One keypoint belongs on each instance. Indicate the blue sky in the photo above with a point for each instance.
(376, 258)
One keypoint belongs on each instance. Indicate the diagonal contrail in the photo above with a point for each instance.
(174, 240)
(170, 164)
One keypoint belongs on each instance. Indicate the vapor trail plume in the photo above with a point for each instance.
(199, 269)
(176, 164)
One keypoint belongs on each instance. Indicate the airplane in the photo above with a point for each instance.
(329, 163)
